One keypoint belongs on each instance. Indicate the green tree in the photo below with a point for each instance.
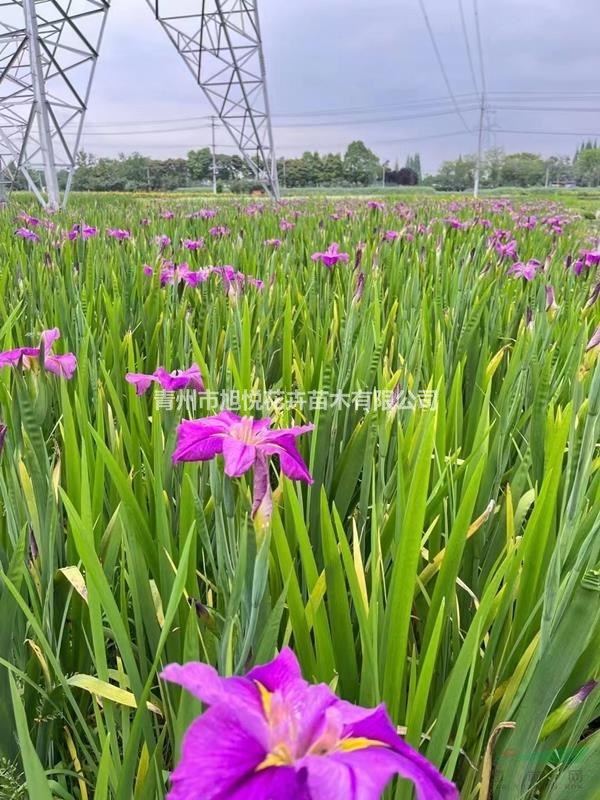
(492, 167)
(560, 169)
(200, 164)
(587, 167)
(413, 162)
(361, 165)
(313, 168)
(456, 175)
(523, 169)
(332, 169)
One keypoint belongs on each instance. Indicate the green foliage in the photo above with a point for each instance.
(523, 169)
(587, 167)
(361, 165)
(456, 175)
(445, 560)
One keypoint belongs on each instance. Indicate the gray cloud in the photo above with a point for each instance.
(374, 55)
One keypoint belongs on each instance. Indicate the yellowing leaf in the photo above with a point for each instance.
(109, 692)
(76, 579)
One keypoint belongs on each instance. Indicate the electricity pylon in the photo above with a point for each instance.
(220, 42)
(48, 53)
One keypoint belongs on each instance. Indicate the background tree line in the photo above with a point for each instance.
(521, 169)
(358, 166)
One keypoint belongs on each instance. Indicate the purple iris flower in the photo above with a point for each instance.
(88, 231)
(240, 440)
(272, 735)
(193, 244)
(457, 224)
(203, 213)
(185, 274)
(194, 278)
(234, 279)
(162, 241)
(85, 231)
(64, 365)
(170, 381)
(331, 256)
(592, 257)
(375, 205)
(507, 250)
(33, 222)
(527, 271)
(587, 259)
(119, 233)
(167, 215)
(284, 225)
(274, 243)
(391, 236)
(245, 444)
(25, 233)
(219, 231)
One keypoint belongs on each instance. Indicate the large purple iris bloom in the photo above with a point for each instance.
(245, 444)
(272, 735)
(64, 365)
(240, 440)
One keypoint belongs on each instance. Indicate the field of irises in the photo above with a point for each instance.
(344, 450)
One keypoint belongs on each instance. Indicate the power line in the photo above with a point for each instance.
(479, 47)
(449, 134)
(503, 96)
(467, 44)
(552, 92)
(570, 110)
(306, 113)
(322, 124)
(482, 108)
(441, 65)
(550, 133)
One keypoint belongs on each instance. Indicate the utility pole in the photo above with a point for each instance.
(383, 168)
(41, 104)
(479, 148)
(214, 157)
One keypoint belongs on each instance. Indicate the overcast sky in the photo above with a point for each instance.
(376, 58)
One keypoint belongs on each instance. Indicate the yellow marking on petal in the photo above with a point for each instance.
(358, 743)
(280, 757)
(265, 696)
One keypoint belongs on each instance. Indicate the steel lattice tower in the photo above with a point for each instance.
(48, 52)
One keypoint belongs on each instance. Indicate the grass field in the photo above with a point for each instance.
(445, 559)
